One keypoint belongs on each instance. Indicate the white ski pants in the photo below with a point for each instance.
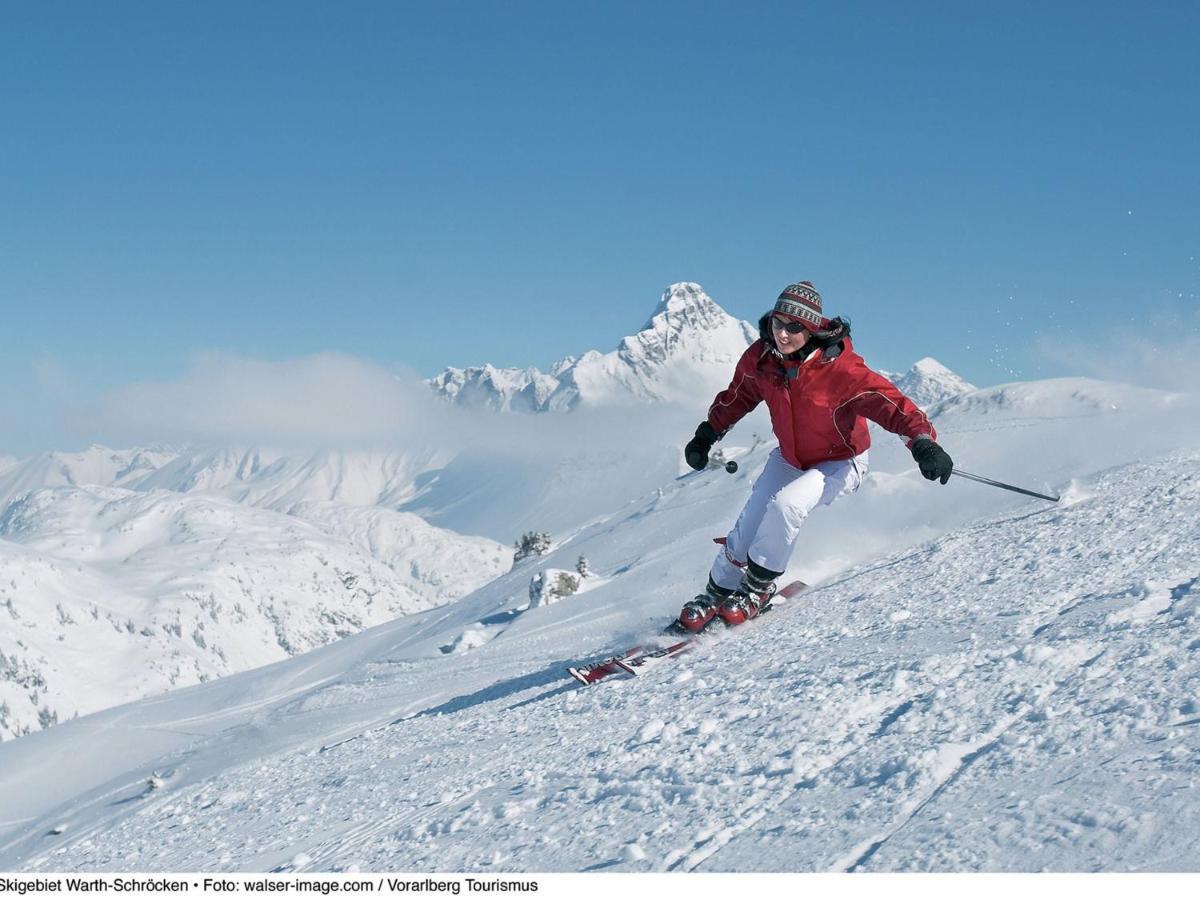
(782, 497)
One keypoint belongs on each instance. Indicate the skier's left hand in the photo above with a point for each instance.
(935, 462)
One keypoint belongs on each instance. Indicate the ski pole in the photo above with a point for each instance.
(1001, 484)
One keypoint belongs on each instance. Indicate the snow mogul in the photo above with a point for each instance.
(819, 391)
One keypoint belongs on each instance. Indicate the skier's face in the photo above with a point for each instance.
(784, 339)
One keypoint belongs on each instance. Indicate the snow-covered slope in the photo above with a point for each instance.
(85, 625)
(539, 474)
(687, 348)
(977, 681)
(108, 595)
(1052, 398)
(557, 473)
(434, 563)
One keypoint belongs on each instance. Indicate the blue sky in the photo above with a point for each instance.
(432, 184)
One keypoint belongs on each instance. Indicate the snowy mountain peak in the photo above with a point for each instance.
(929, 383)
(688, 343)
(931, 368)
(562, 365)
(685, 310)
(683, 302)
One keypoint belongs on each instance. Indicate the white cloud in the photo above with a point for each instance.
(313, 400)
(1163, 352)
(330, 399)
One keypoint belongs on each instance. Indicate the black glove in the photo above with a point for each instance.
(935, 462)
(696, 451)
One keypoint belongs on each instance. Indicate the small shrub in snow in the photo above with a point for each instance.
(551, 585)
(532, 543)
(47, 717)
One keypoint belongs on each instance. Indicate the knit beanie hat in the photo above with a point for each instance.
(801, 301)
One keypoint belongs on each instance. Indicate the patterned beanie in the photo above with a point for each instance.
(801, 301)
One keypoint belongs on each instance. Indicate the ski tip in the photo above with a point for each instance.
(791, 590)
(577, 675)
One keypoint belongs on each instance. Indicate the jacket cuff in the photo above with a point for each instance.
(919, 437)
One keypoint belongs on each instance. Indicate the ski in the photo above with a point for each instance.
(630, 661)
(640, 658)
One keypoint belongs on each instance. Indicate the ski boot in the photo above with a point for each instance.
(700, 610)
(741, 607)
(752, 598)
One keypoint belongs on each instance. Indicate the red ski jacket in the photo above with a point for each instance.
(818, 405)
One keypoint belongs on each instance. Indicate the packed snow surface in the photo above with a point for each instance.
(1019, 693)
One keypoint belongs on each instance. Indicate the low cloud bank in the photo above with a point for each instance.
(1162, 352)
(334, 400)
(326, 398)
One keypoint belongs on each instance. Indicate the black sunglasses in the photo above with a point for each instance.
(789, 326)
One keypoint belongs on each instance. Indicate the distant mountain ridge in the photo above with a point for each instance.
(688, 343)
(254, 475)
(108, 595)
(687, 348)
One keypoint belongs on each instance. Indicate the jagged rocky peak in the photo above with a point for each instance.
(493, 388)
(687, 329)
(562, 365)
(686, 322)
(685, 303)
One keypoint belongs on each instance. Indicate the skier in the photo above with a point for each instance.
(818, 391)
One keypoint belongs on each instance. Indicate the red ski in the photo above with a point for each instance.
(638, 659)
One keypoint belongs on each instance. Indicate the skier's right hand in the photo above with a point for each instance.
(696, 451)
(934, 462)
